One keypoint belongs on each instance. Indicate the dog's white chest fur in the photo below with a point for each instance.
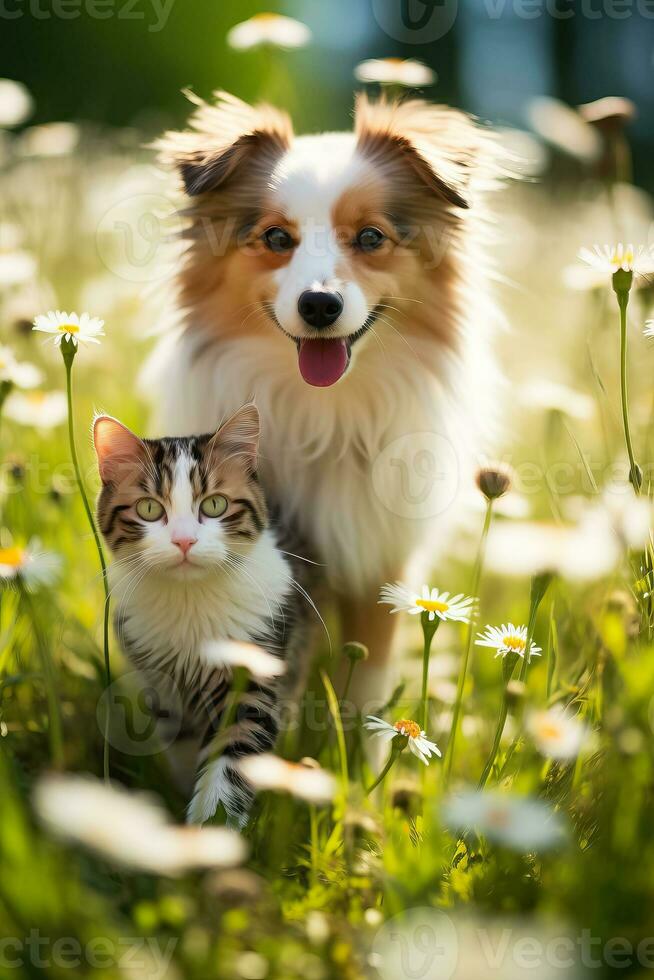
(363, 467)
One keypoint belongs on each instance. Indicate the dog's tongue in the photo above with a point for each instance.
(323, 362)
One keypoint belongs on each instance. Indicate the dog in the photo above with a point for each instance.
(342, 280)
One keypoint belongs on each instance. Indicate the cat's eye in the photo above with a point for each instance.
(149, 509)
(278, 240)
(370, 239)
(214, 506)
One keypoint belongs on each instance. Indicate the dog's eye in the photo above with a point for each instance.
(370, 239)
(149, 509)
(278, 240)
(214, 506)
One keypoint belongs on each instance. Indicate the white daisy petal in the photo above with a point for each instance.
(271, 29)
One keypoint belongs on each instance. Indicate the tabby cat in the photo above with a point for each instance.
(197, 559)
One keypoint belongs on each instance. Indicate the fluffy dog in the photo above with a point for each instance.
(340, 279)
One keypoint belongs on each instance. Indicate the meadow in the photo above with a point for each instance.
(525, 851)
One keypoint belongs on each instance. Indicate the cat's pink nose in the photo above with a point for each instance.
(184, 544)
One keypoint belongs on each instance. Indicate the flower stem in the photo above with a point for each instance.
(634, 470)
(463, 672)
(428, 631)
(54, 712)
(68, 351)
(396, 752)
(508, 667)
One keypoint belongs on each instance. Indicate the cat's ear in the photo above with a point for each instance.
(117, 448)
(239, 436)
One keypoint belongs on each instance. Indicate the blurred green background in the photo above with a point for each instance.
(124, 62)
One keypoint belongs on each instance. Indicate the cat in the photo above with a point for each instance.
(196, 558)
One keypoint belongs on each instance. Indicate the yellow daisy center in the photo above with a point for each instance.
(432, 605)
(394, 61)
(409, 728)
(498, 818)
(549, 730)
(264, 18)
(515, 643)
(68, 328)
(36, 398)
(13, 556)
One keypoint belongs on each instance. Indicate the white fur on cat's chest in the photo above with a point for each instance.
(176, 617)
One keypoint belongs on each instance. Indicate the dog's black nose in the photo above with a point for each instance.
(319, 308)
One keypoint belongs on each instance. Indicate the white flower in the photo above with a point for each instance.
(649, 328)
(274, 29)
(610, 259)
(507, 639)
(582, 552)
(419, 744)
(255, 659)
(269, 772)
(39, 409)
(130, 828)
(395, 71)
(20, 374)
(557, 734)
(520, 823)
(551, 396)
(16, 104)
(458, 608)
(30, 566)
(16, 268)
(564, 128)
(50, 139)
(69, 326)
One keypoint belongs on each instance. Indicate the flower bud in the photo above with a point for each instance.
(355, 652)
(494, 480)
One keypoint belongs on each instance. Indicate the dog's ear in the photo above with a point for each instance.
(222, 139)
(440, 145)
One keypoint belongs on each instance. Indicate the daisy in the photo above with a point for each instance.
(38, 409)
(561, 126)
(29, 566)
(519, 823)
(610, 259)
(16, 103)
(418, 742)
(542, 394)
(582, 552)
(458, 608)
(272, 29)
(557, 734)
(269, 772)
(71, 327)
(22, 375)
(395, 71)
(16, 268)
(255, 659)
(508, 639)
(130, 828)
